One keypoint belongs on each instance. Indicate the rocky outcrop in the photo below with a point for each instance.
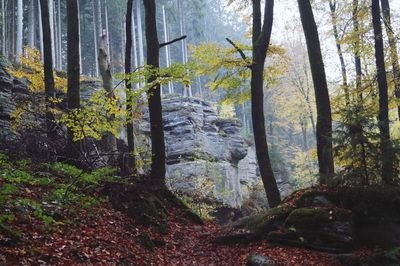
(330, 219)
(205, 154)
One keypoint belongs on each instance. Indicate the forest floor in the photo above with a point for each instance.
(56, 215)
(110, 237)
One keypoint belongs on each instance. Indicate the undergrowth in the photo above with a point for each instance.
(46, 195)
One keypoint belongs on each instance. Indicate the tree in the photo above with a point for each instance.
(332, 7)
(48, 66)
(393, 50)
(73, 70)
(128, 85)
(383, 116)
(324, 116)
(154, 96)
(20, 27)
(261, 39)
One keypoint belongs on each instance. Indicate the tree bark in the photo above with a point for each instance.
(324, 116)
(41, 45)
(31, 26)
(154, 97)
(357, 43)
(20, 25)
(261, 39)
(393, 51)
(332, 6)
(140, 33)
(128, 85)
(383, 116)
(73, 55)
(48, 68)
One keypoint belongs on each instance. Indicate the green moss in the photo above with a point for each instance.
(306, 217)
(264, 221)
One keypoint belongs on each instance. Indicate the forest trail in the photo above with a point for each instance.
(110, 237)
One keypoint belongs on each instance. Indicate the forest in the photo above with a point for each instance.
(199, 132)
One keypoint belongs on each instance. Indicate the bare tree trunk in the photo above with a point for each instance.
(393, 51)
(3, 28)
(20, 25)
(357, 48)
(154, 97)
(383, 117)
(140, 33)
(95, 40)
(167, 55)
(73, 94)
(48, 68)
(324, 116)
(332, 6)
(60, 59)
(41, 45)
(108, 33)
(128, 85)
(261, 40)
(79, 32)
(51, 14)
(31, 25)
(108, 139)
(187, 90)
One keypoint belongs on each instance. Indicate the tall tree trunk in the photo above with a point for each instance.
(167, 54)
(3, 28)
(383, 117)
(31, 25)
(95, 40)
(261, 39)
(324, 116)
(79, 33)
(140, 33)
(51, 12)
(73, 95)
(48, 68)
(154, 97)
(128, 85)
(357, 48)
(393, 50)
(41, 45)
(109, 140)
(20, 27)
(332, 6)
(59, 26)
(108, 32)
(187, 90)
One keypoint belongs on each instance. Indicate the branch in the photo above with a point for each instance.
(240, 51)
(171, 42)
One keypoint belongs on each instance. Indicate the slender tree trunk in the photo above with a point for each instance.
(109, 140)
(140, 33)
(383, 117)
(20, 26)
(261, 39)
(324, 116)
(79, 33)
(167, 55)
(135, 59)
(48, 68)
(41, 45)
(73, 95)
(95, 40)
(51, 12)
(108, 32)
(332, 6)
(393, 50)
(60, 58)
(357, 48)
(128, 85)
(154, 97)
(3, 28)
(31, 26)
